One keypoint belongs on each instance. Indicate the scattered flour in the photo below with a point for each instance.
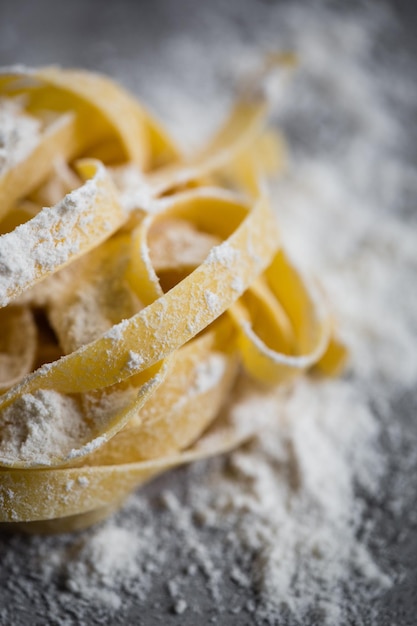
(112, 560)
(277, 530)
(96, 568)
(180, 606)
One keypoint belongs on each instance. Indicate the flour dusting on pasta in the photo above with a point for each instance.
(55, 422)
(19, 133)
(277, 531)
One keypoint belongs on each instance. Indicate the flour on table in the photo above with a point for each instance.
(277, 530)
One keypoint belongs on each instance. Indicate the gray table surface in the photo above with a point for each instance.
(88, 33)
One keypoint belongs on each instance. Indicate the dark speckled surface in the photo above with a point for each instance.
(88, 33)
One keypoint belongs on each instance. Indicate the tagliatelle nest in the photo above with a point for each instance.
(129, 303)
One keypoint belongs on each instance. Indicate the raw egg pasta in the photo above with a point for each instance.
(130, 303)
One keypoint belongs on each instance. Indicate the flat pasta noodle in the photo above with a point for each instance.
(20, 179)
(152, 280)
(60, 234)
(240, 130)
(54, 494)
(165, 324)
(199, 378)
(305, 315)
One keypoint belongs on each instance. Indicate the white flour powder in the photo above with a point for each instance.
(37, 426)
(208, 373)
(212, 300)
(276, 530)
(19, 133)
(48, 240)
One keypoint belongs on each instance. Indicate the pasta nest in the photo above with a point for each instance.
(136, 285)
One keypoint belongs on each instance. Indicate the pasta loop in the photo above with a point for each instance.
(129, 303)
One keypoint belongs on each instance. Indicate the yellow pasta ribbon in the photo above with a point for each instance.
(151, 300)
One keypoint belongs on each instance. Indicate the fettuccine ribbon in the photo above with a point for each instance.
(152, 278)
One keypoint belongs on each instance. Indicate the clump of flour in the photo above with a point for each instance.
(40, 425)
